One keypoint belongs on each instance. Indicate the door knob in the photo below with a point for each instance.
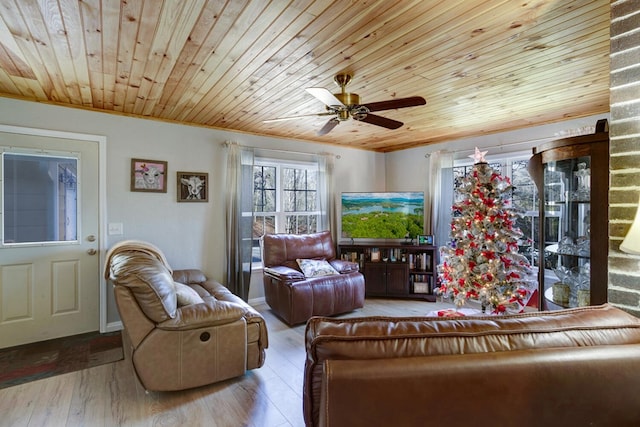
(91, 251)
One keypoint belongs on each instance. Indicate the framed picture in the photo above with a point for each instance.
(193, 187)
(148, 175)
(425, 239)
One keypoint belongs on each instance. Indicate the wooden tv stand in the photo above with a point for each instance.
(394, 269)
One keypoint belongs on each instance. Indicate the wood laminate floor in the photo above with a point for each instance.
(109, 395)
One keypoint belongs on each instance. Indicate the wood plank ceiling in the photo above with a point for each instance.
(483, 66)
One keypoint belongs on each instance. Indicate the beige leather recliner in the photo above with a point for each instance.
(181, 330)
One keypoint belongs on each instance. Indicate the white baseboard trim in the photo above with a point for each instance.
(256, 301)
(114, 326)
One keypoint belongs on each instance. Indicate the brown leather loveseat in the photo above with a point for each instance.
(294, 296)
(181, 330)
(575, 367)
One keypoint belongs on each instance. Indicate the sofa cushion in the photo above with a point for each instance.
(189, 276)
(212, 312)
(280, 248)
(186, 295)
(284, 273)
(344, 267)
(385, 337)
(150, 281)
(316, 267)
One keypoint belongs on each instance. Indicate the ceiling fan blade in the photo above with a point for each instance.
(326, 97)
(328, 126)
(413, 101)
(379, 121)
(282, 119)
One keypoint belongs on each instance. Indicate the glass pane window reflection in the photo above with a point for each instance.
(285, 200)
(523, 197)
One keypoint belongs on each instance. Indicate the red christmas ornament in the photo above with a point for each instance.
(488, 254)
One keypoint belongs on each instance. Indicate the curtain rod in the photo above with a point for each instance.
(505, 145)
(275, 150)
(584, 130)
(512, 144)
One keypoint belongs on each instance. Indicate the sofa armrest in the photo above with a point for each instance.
(285, 274)
(211, 312)
(189, 276)
(251, 315)
(344, 267)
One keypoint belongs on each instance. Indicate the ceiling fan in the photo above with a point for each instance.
(344, 105)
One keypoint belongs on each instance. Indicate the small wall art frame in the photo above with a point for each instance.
(149, 175)
(193, 187)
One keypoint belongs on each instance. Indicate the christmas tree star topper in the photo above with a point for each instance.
(478, 157)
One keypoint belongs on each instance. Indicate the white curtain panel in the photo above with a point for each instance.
(326, 196)
(436, 191)
(239, 239)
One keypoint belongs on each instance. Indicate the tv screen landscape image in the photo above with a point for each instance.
(385, 215)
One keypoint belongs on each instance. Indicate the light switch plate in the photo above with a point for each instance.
(115, 229)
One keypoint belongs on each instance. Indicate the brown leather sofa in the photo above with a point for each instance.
(294, 297)
(181, 330)
(576, 367)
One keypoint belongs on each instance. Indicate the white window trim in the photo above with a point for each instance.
(279, 214)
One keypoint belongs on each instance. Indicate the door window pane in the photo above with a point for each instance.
(40, 199)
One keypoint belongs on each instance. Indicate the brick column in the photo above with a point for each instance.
(624, 132)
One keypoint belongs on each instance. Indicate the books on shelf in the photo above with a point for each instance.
(421, 283)
(412, 274)
(420, 261)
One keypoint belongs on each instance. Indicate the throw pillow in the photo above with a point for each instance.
(187, 295)
(316, 267)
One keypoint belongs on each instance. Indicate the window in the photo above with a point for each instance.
(39, 199)
(524, 197)
(285, 199)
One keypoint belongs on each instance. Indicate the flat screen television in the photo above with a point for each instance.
(384, 215)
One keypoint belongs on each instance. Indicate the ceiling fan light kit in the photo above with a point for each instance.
(345, 105)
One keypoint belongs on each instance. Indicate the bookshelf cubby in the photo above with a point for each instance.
(394, 269)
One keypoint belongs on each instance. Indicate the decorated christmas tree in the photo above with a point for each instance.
(481, 262)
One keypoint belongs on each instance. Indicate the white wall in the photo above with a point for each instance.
(408, 169)
(190, 234)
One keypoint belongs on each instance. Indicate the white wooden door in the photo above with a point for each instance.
(49, 238)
